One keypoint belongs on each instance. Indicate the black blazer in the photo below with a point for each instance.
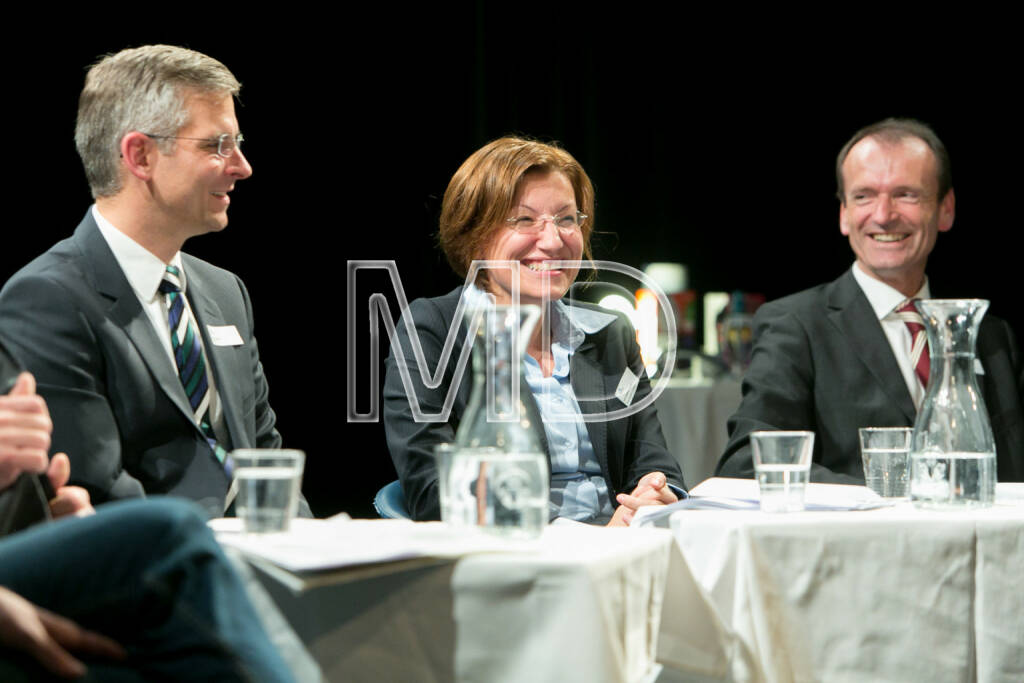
(118, 407)
(822, 362)
(627, 448)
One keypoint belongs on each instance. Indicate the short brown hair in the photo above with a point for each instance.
(480, 195)
(893, 131)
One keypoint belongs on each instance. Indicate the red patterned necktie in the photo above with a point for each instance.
(919, 340)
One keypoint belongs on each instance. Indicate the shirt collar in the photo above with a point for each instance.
(141, 267)
(577, 322)
(569, 324)
(883, 298)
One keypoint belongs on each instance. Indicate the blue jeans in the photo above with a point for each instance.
(149, 574)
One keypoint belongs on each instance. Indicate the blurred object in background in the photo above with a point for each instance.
(609, 295)
(715, 304)
(685, 303)
(736, 330)
(642, 309)
(673, 279)
(736, 339)
(649, 334)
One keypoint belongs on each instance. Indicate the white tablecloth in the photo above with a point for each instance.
(897, 594)
(582, 604)
(586, 607)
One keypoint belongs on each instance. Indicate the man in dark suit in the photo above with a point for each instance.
(839, 357)
(146, 355)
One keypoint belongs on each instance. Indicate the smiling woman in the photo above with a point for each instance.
(486, 193)
(532, 203)
(546, 228)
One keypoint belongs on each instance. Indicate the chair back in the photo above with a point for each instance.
(390, 502)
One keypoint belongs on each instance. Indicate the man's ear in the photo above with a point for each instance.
(947, 211)
(138, 153)
(842, 219)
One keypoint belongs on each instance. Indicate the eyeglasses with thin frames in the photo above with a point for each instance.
(529, 225)
(226, 142)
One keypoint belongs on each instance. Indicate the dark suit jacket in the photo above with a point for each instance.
(627, 448)
(118, 407)
(822, 362)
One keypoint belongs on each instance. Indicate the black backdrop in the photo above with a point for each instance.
(706, 147)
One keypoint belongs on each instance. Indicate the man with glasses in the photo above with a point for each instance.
(146, 355)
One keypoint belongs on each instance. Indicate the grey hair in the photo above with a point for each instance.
(141, 89)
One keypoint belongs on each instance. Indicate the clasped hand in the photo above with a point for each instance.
(652, 489)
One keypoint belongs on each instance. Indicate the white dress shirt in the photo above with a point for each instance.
(144, 272)
(884, 301)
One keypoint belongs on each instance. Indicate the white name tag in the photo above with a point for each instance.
(978, 368)
(627, 387)
(224, 335)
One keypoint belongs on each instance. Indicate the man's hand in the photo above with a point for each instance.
(70, 500)
(652, 489)
(49, 637)
(25, 428)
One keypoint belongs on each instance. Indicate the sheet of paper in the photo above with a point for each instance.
(323, 544)
(743, 494)
(1010, 493)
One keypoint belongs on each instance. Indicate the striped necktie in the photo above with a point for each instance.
(188, 357)
(919, 340)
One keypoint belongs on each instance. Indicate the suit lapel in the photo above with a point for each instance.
(588, 384)
(853, 316)
(126, 312)
(223, 359)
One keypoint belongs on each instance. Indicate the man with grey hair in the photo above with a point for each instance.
(841, 356)
(144, 354)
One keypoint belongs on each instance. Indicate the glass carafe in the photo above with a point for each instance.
(952, 455)
(500, 465)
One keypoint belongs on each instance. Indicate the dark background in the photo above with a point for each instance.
(707, 145)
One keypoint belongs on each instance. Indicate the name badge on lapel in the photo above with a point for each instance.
(978, 368)
(224, 335)
(627, 387)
